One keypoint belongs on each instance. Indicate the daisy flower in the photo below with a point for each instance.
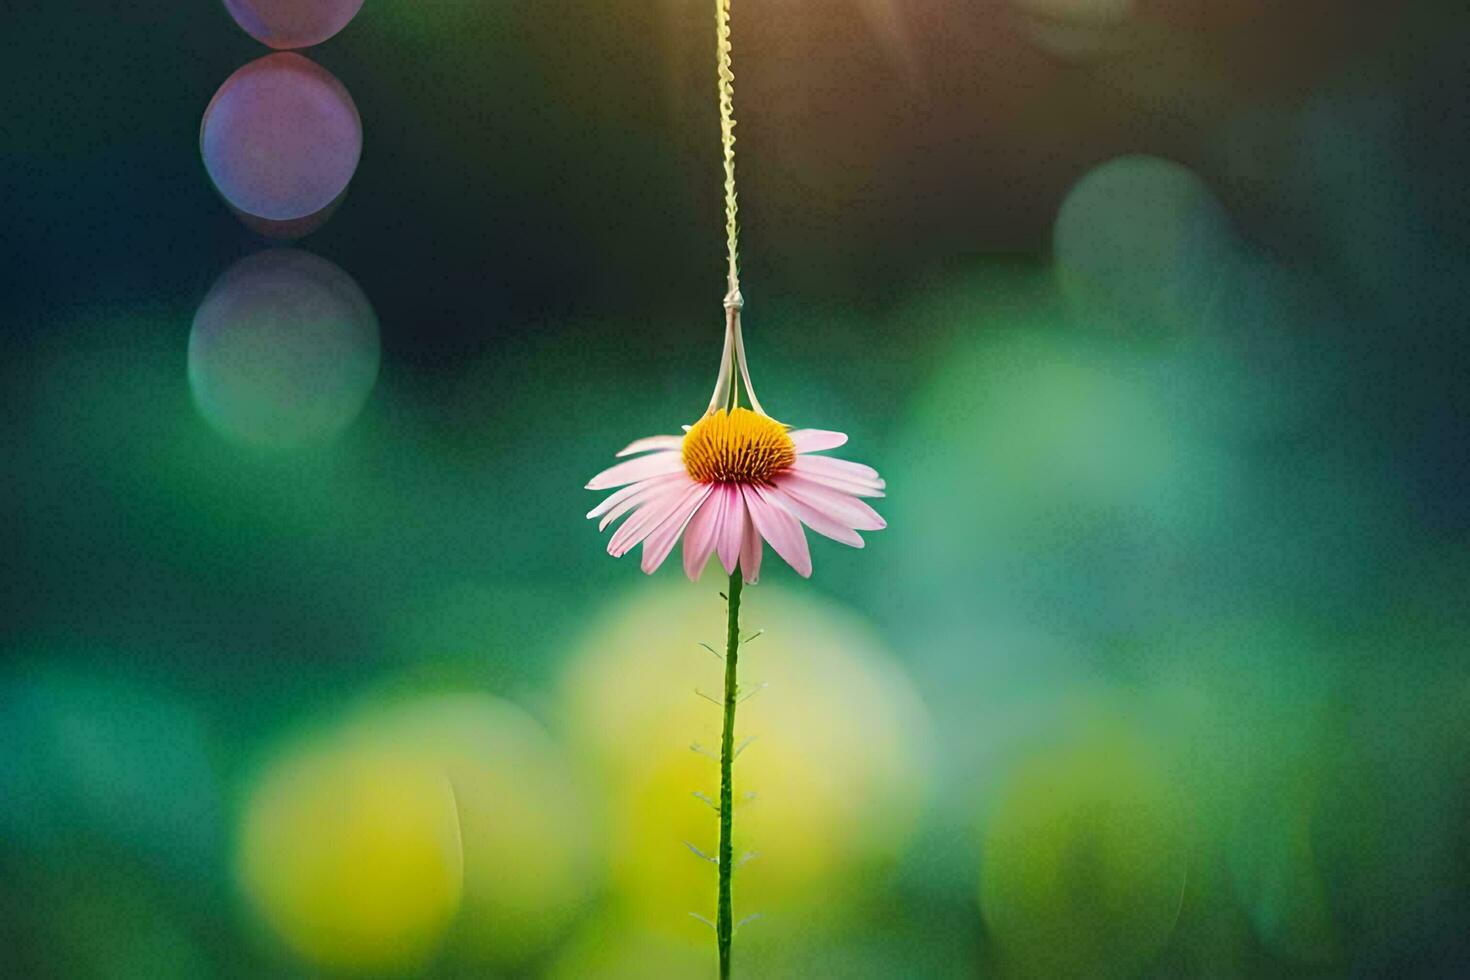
(735, 478)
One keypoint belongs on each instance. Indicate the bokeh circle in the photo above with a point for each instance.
(284, 350)
(836, 771)
(1084, 859)
(1143, 244)
(351, 854)
(281, 139)
(288, 24)
(441, 825)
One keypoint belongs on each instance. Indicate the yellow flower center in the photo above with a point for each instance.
(741, 447)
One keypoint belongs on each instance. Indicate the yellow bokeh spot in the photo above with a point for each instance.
(838, 763)
(614, 949)
(527, 846)
(352, 855)
(442, 823)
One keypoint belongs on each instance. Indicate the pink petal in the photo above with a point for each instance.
(750, 554)
(656, 546)
(841, 469)
(651, 443)
(646, 519)
(832, 482)
(839, 504)
(634, 470)
(630, 490)
(649, 489)
(732, 528)
(816, 440)
(780, 528)
(815, 518)
(699, 536)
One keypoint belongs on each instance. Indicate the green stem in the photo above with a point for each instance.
(724, 917)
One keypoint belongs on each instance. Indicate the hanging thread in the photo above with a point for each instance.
(726, 84)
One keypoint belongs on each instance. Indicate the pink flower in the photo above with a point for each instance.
(733, 479)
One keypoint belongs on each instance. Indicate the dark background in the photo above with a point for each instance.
(1187, 472)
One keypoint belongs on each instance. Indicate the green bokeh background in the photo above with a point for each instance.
(1152, 315)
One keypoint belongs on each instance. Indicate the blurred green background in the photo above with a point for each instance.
(1152, 315)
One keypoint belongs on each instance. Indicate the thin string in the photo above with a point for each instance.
(726, 84)
(728, 384)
